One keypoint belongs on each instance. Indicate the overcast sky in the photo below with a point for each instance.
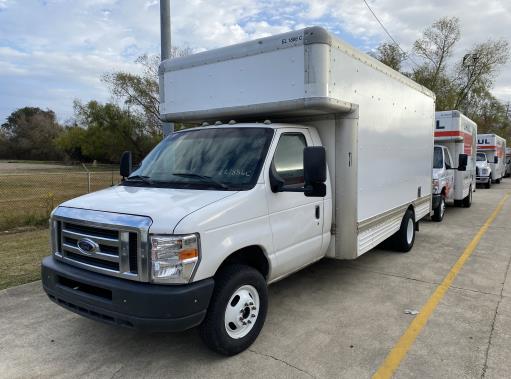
(54, 51)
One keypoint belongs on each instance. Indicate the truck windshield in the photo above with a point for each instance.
(438, 159)
(217, 158)
(481, 157)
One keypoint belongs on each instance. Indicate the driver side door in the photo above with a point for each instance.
(296, 220)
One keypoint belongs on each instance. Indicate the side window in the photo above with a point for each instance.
(288, 158)
(448, 163)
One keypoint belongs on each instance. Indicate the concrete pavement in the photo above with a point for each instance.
(333, 319)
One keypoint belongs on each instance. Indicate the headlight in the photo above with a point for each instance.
(484, 171)
(435, 186)
(173, 258)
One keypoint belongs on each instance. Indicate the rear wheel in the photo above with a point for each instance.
(497, 181)
(438, 212)
(237, 310)
(467, 201)
(404, 238)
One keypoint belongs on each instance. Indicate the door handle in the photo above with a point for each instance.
(317, 212)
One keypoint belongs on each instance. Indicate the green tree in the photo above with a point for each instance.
(390, 54)
(30, 133)
(140, 92)
(103, 131)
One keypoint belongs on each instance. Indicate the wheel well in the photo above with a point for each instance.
(252, 256)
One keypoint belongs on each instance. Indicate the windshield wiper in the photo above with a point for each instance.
(205, 178)
(139, 178)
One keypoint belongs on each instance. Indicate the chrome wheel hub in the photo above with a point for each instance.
(242, 311)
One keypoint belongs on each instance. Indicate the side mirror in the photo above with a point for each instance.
(314, 171)
(495, 159)
(462, 162)
(126, 164)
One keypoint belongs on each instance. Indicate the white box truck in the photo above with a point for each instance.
(454, 161)
(313, 150)
(494, 147)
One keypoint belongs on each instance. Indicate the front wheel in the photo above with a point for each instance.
(438, 213)
(467, 201)
(237, 310)
(488, 185)
(404, 238)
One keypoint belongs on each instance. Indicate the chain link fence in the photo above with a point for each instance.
(27, 198)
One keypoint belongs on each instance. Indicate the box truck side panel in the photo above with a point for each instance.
(395, 134)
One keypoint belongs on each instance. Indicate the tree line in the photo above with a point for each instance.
(131, 121)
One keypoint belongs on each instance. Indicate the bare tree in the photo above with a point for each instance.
(475, 74)
(436, 46)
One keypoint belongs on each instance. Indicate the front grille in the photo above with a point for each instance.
(102, 242)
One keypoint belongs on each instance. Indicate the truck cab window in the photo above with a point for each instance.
(438, 159)
(288, 159)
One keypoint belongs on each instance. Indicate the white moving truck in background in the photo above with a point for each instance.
(483, 170)
(454, 161)
(314, 150)
(494, 147)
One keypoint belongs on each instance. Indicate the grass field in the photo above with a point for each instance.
(29, 191)
(20, 256)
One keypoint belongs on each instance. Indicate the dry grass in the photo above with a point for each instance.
(28, 198)
(21, 255)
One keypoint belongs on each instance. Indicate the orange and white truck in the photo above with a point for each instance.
(454, 161)
(494, 147)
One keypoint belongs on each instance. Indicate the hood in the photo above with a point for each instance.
(481, 164)
(165, 206)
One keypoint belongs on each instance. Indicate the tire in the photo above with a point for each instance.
(497, 181)
(439, 212)
(404, 238)
(488, 185)
(237, 310)
(467, 201)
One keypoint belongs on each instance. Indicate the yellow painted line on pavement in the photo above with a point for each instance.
(399, 351)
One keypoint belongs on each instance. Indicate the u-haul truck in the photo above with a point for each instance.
(455, 140)
(494, 147)
(308, 149)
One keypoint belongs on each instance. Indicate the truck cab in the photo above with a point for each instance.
(483, 174)
(443, 181)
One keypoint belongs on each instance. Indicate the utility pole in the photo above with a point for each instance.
(166, 50)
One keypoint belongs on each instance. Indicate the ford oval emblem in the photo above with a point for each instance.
(87, 246)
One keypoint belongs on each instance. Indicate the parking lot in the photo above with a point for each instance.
(333, 319)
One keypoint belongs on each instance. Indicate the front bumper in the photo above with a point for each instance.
(482, 179)
(436, 200)
(124, 302)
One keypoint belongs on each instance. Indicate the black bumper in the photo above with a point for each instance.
(436, 201)
(126, 303)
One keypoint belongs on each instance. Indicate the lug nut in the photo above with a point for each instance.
(251, 303)
(244, 323)
(252, 315)
(254, 308)
(250, 322)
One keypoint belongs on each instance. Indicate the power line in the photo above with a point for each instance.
(386, 31)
